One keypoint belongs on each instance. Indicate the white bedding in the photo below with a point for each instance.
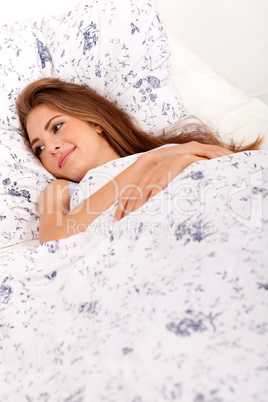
(171, 302)
(168, 304)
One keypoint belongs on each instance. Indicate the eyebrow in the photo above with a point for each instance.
(49, 121)
(46, 128)
(34, 141)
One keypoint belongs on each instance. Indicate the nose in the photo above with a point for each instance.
(53, 147)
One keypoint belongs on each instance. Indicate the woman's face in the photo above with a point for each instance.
(66, 146)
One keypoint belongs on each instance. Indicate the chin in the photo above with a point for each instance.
(76, 177)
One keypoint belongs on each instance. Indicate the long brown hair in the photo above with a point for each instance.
(119, 129)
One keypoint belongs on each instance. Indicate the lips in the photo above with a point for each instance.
(65, 156)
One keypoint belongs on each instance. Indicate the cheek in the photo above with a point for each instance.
(48, 163)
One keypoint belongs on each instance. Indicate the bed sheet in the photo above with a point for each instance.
(170, 303)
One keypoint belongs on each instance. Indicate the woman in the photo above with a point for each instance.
(72, 129)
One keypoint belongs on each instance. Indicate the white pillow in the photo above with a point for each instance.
(22, 60)
(212, 98)
(22, 179)
(119, 49)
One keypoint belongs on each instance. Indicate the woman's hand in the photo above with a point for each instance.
(133, 187)
(133, 196)
(194, 148)
(166, 163)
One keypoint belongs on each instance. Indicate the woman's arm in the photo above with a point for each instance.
(193, 147)
(153, 181)
(133, 187)
(57, 221)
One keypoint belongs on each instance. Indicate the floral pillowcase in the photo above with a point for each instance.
(117, 47)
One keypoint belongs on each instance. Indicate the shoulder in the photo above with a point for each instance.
(55, 195)
(54, 205)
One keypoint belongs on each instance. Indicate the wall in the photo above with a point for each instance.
(230, 35)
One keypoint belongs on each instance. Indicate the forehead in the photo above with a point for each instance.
(38, 118)
(40, 112)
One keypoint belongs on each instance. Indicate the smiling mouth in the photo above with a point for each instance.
(65, 156)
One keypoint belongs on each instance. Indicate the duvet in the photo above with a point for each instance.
(168, 304)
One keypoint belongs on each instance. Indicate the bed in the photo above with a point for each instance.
(171, 302)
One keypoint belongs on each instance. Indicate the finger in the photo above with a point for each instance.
(209, 151)
(121, 208)
(126, 202)
(119, 212)
(131, 204)
(149, 192)
(131, 201)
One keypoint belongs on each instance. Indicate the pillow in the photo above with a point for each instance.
(215, 100)
(208, 95)
(23, 58)
(119, 49)
(22, 179)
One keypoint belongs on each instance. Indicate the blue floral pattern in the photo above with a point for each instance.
(90, 37)
(106, 62)
(43, 54)
(116, 64)
(22, 179)
(170, 303)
